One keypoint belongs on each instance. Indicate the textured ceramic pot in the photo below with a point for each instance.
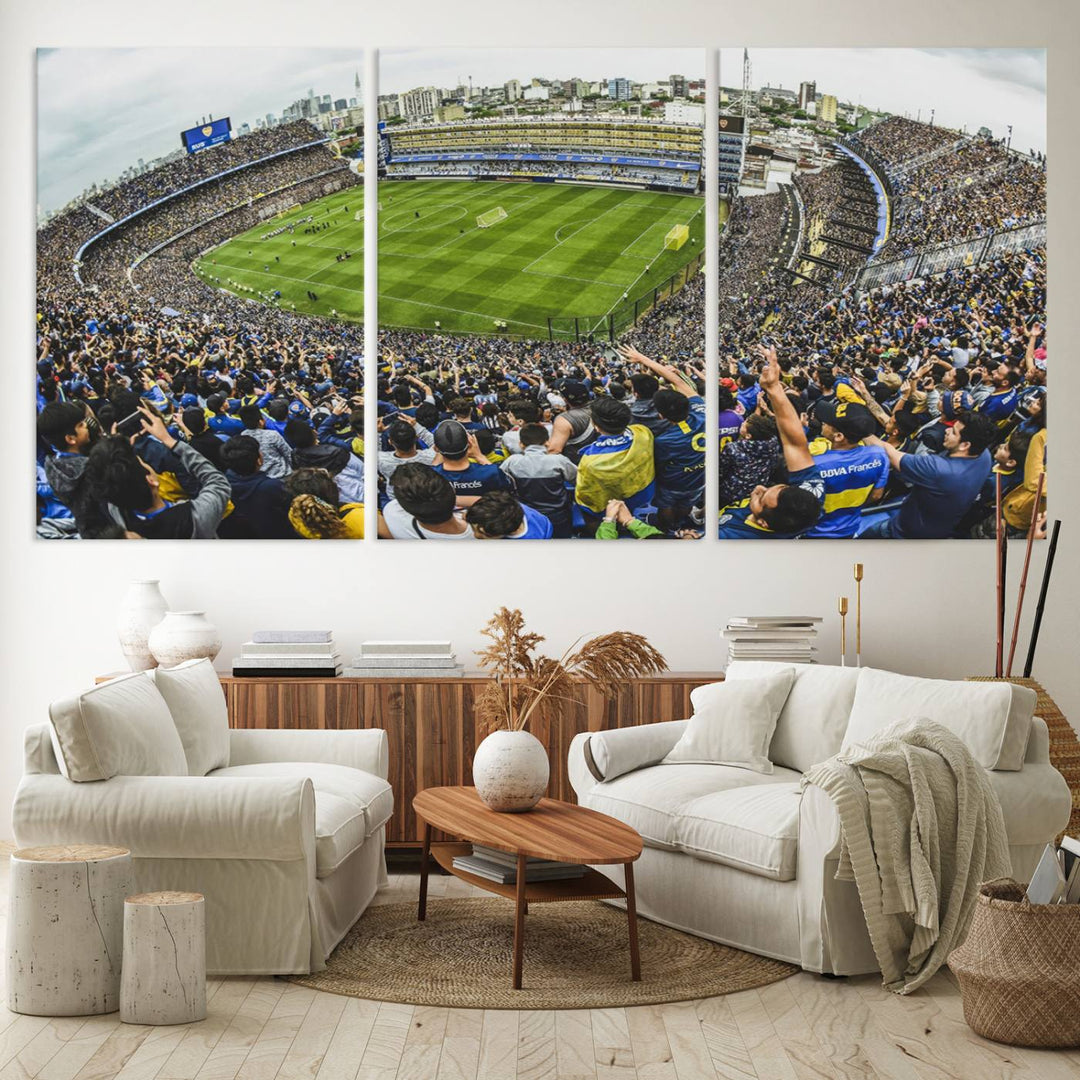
(510, 771)
(143, 607)
(184, 635)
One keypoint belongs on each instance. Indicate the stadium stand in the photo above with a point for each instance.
(889, 373)
(130, 324)
(624, 151)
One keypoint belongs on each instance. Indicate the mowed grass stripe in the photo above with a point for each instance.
(564, 250)
(310, 265)
(572, 237)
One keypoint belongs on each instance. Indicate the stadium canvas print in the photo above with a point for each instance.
(200, 294)
(541, 294)
(882, 282)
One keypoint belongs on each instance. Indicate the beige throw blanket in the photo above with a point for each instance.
(921, 829)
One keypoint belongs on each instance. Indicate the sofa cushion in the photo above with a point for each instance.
(611, 753)
(193, 693)
(751, 828)
(654, 800)
(733, 722)
(992, 719)
(366, 792)
(119, 728)
(340, 828)
(811, 725)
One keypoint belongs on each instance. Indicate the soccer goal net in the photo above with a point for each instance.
(676, 237)
(490, 217)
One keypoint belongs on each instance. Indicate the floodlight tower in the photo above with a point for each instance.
(747, 92)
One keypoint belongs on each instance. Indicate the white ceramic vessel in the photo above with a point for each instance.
(510, 771)
(184, 635)
(142, 609)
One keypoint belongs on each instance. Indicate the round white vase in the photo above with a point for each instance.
(184, 635)
(510, 771)
(143, 607)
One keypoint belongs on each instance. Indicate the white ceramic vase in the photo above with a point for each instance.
(142, 609)
(510, 771)
(184, 635)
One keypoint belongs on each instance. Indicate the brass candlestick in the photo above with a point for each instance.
(841, 606)
(858, 614)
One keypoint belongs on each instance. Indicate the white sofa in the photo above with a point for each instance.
(281, 830)
(742, 857)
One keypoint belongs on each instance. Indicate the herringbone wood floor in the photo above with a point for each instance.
(804, 1028)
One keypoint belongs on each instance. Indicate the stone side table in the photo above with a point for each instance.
(65, 929)
(164, 980)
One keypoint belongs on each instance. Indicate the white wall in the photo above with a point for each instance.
(928, 606)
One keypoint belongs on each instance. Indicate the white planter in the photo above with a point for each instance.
(184, 635)
(510, 771)
(142, 609)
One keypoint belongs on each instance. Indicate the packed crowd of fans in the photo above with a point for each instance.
(896, 140)
(168, 407)
(911, 401)
(481, 441)
(131, 195)
(899, 411)
(593, 172)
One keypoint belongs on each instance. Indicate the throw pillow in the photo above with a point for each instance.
(195, 698)
(120, 728)
(733, 722)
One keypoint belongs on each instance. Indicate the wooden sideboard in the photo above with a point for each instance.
(431, 727)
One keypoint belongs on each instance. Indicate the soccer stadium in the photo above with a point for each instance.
(166, 348)
(566, 228)
(540, 274)
(882, 330)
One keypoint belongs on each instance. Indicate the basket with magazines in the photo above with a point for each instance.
(1019, 969)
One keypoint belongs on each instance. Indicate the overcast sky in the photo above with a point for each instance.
(404, 69)
(100, 110)
(977, 87)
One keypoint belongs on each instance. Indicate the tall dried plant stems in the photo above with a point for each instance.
(523, 682)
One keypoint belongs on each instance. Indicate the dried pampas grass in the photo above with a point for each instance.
(524, 682)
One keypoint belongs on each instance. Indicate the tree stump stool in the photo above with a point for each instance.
(65, 929)
(164, 980)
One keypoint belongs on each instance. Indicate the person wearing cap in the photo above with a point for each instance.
(779, 511)
(464, 465)
(855, 474)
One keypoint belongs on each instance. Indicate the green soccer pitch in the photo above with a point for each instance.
(251, 266)
(562, 251)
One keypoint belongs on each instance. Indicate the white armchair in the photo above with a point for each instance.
(285, 840)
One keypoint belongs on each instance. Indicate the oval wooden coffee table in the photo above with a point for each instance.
(553, 830)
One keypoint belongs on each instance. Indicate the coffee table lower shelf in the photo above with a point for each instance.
(591, 886)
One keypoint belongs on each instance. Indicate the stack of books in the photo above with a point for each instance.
(290, 653)
(501, 866)
(1057, 877)
(405, 660)
(787, 639)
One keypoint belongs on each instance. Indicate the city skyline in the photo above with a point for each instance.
(96, 119)
(401, 70)
(969, 88)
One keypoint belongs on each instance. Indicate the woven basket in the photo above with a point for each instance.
(1019, 969)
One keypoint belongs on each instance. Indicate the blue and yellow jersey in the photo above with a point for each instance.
(850, 477)
(679, 452)
(616, 467)
(1000, 405)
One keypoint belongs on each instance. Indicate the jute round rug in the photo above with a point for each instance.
(577, 956)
